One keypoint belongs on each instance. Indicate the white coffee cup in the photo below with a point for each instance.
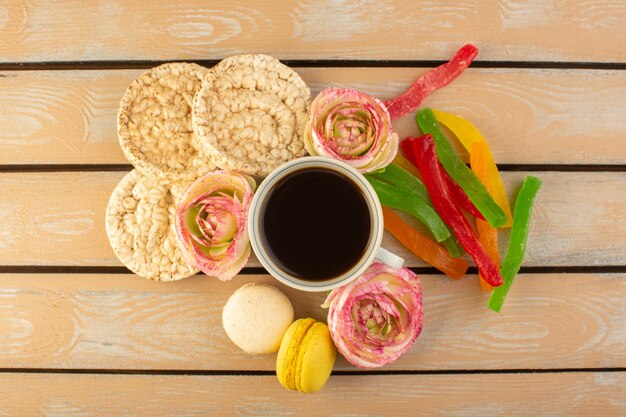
(372, 251)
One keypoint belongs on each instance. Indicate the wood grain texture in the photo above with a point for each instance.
(572, 30)
(528, 116)
(78, 321)
(121, 322)
(541, 395)
(57, 218)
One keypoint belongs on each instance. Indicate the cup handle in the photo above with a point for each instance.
(389, 258)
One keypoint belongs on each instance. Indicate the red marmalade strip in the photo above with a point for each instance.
(433, 80)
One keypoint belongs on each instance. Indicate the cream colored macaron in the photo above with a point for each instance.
(256, 316)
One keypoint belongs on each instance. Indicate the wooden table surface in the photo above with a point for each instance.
(80, 335)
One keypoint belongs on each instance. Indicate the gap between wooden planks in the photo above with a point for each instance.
(385, 29)
(112, 322)
(559, 395)
(529, 116)
(57, 218)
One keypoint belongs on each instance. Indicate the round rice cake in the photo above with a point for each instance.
(154, 124)
(249, 114)
(140, 227)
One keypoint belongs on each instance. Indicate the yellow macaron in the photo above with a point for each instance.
(306, 356)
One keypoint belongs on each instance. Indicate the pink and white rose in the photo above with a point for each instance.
(211, 223)
(376, 318)
(352, 127)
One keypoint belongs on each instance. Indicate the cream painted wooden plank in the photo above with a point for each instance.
(57, 218)
(510, 395)
(77, 321)
(529, 116)
(61, 117)
(572, 30)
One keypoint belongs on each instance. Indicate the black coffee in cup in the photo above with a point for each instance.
(315, 224)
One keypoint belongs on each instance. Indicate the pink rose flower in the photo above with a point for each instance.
(377, 317)
(211, 223)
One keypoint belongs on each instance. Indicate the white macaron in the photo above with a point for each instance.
(256, 316)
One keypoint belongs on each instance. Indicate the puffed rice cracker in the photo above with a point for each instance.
(249, 114)
(154, 124)
(140, 226)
